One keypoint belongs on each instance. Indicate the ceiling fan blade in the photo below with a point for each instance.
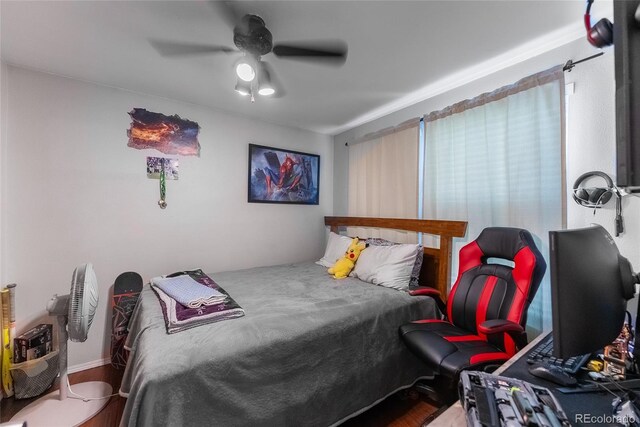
(333, 51)
(169, 48)
(228, 11)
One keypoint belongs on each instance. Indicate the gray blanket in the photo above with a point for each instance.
(310, 351)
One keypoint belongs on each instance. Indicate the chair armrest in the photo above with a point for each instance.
(425, 290)
(500, 326)
(430, 292)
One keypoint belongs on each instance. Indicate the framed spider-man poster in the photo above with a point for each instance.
(283, 176)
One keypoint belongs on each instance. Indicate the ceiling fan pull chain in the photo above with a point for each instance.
(163, 186)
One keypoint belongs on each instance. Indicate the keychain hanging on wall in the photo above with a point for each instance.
(163, 187)
(162, 169)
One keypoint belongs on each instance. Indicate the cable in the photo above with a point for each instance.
(628, 396)
(613, 382)
(75, 395)
(597, 204)
(615, 191)
(602, 386)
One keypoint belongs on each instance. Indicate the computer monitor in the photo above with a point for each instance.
(590, 286)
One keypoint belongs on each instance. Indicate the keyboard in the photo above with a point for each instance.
(543, 353)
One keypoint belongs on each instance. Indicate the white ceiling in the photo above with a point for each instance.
(395, 48)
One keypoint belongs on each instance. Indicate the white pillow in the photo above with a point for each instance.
(388, 266)
(337, 246)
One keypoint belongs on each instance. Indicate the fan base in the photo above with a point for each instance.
(49, 410)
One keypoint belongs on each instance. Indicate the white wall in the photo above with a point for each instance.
(3, 137)
(590, 126)
(73, 192)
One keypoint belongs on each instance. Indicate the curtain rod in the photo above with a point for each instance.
(570, 64)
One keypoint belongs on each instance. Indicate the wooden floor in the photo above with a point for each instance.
(404, 409)
(108, 417)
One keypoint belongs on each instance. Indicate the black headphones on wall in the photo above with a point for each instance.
(596, 197)
(593, 197)
(601, 34)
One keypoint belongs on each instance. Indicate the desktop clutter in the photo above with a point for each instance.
(491, 400)
(613, 364)
(601, 357)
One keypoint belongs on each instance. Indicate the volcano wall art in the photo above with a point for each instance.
(167, 134)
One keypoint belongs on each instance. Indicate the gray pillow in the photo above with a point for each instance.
(415, 273)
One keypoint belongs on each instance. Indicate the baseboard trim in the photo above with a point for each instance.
(88, 365)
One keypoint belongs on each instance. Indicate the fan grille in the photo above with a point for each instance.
(83, 302)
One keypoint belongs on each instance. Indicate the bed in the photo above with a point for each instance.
(310, 350)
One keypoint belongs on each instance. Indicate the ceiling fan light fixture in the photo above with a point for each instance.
(265, 88)
(245, 70)
(243, 88)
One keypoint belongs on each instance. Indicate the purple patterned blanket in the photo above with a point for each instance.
(178, 317)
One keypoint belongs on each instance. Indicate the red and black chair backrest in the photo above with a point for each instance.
(488, 290)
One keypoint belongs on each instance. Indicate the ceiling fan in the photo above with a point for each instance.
(254, 40)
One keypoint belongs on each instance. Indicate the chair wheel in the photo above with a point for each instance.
(490, 368)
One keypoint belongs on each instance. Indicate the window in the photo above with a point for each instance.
(499, 163)
(494, 160)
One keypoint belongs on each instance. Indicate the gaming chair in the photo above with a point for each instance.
(486, 313)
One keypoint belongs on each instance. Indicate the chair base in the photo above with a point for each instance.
(490, 368)
(444, 390)
(441, 390)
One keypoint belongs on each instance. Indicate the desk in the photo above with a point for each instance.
(455, 416)
(582, 409)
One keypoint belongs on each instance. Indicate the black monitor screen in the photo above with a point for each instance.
(626, 36)
(590, 285)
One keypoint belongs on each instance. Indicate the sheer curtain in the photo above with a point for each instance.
(383, 179)
(497, 160)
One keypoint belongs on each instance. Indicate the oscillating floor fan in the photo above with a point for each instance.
(75, 313)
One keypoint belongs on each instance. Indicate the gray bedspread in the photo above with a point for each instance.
(310, 351)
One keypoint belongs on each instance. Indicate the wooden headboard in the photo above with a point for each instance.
(436, 266)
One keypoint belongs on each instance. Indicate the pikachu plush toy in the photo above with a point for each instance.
(344, 265)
